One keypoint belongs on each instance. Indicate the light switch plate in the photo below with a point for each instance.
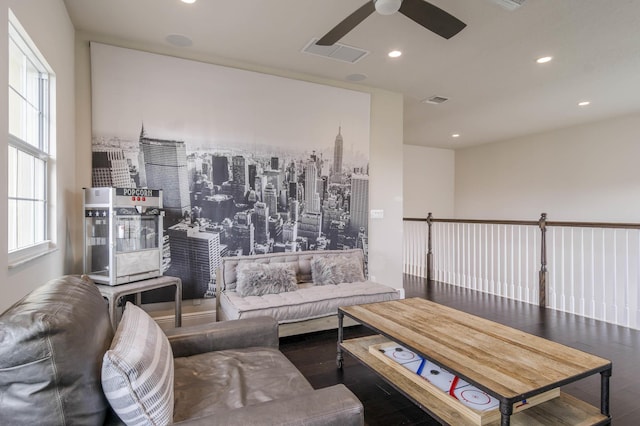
(377, 214)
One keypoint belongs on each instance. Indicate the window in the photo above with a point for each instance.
(28, 157)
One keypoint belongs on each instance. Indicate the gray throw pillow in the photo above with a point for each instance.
(335, 270)
(257, 279)
(326, 271)
(352, 269)
(137, 372)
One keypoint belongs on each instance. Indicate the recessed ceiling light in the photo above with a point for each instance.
(356, 77)
(584, 103)
(455, 135)
(395, 54)
(188, 1)
(179, 40)
(544, 59)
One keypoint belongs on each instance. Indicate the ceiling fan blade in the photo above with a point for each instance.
(349, 23)
(432, 18)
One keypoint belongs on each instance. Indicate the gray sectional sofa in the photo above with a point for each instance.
(61, 364)
(311, 303)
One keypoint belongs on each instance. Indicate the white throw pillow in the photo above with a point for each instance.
(137, 371)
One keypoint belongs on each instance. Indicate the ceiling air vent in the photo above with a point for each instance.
(435, 100)
(339, 52)
(509, 4)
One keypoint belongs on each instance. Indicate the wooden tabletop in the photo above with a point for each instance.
(505, 362)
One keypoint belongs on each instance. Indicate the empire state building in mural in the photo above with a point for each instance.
(230, 202)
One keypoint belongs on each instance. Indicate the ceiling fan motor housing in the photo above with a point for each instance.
(387, 7)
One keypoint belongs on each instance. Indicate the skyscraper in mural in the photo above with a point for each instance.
(110, 168)
(240, 176)
(336, 176)
(271, 199)
(165, 164)
(359, 202)
(220, 169)
(195, 257)
(311, 196)
(261, 222)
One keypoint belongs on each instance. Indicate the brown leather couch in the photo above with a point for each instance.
(52, 344)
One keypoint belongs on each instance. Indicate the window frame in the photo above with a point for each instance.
(43, 244)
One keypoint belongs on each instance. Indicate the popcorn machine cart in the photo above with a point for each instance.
(122, 234)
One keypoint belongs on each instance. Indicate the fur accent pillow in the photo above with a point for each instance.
(335, 270)
(256, 279)
(325, 271)
(352, 270)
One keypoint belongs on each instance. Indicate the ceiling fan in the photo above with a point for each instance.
(429, 16)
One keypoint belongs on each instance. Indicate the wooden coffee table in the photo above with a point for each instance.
(506, 363)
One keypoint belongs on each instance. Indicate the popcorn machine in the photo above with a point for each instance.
(122, 234)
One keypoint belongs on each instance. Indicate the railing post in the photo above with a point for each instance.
(429, 251)
(542, 278)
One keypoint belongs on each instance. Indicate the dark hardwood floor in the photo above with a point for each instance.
(314, 354)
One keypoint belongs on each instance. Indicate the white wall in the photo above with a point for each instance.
(429, 180)
(49, 26)
(584, 173)
(385, 180)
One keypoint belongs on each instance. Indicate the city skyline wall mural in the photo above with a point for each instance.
(249, 163)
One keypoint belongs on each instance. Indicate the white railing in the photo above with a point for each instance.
(415, 248)
(595, 272)
(492, 258)
(589, 269)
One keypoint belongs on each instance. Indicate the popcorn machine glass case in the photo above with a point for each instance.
(122, 234)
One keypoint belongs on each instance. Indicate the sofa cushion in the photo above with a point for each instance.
(137, 373)
(256, 279)
(309, 302)
(51, 347)
(223, 380)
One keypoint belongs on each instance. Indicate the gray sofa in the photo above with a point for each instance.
(52, 347)
(311, 307)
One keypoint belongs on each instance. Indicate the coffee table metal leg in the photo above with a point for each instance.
(506, 409)
(604, 391)
(178, 305)
(340, 338)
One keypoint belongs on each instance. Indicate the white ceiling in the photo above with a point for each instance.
(496, 90)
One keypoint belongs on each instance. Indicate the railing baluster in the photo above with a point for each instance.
(593, 274)
(527, 284)
(474, 257)
(604, 278)
(487, 259)
(625, 299)
(637, 304)
(572, 286)
(582, 300)
(615, 277)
